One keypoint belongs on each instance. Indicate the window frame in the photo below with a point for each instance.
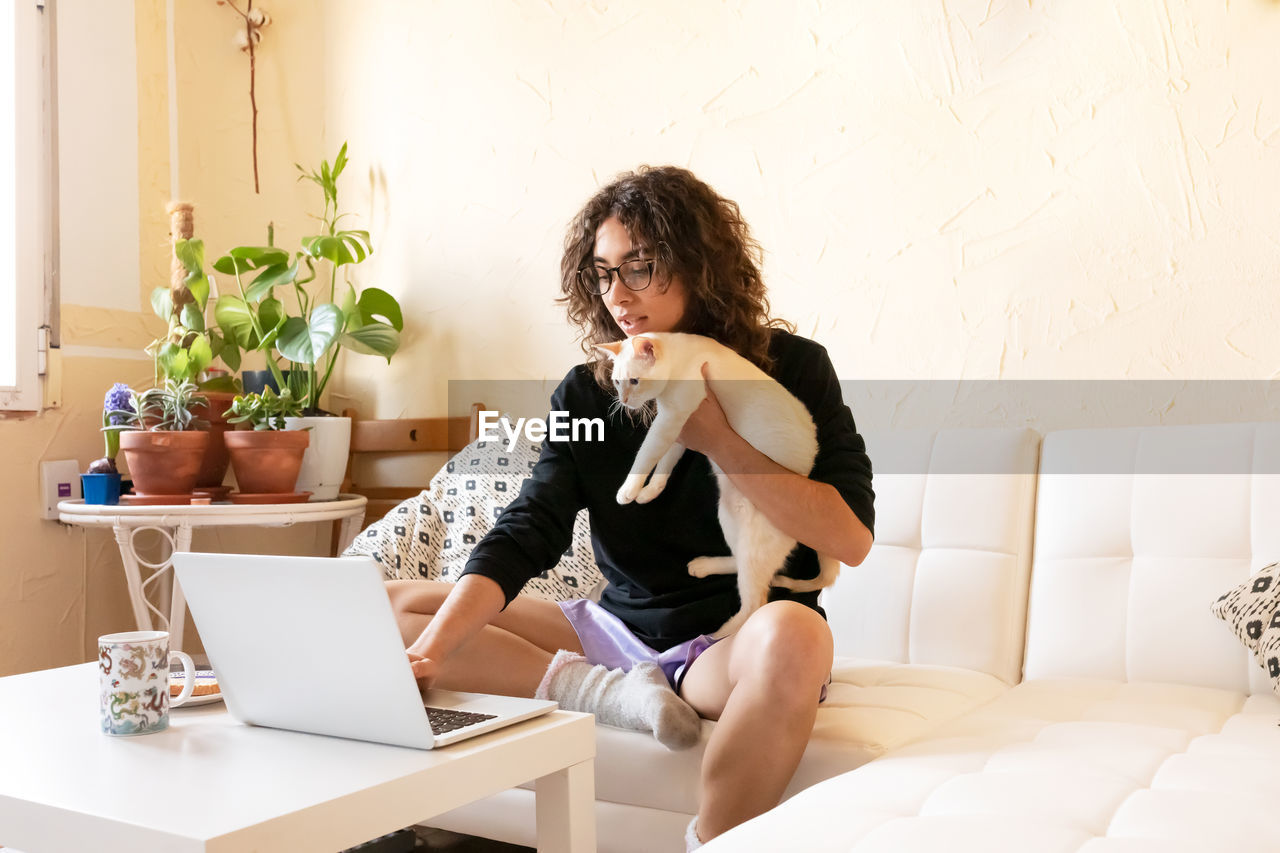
(34, 235)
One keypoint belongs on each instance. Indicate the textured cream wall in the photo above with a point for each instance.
(61, 587)
(970, 189)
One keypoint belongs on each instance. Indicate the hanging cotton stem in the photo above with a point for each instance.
(254, 21)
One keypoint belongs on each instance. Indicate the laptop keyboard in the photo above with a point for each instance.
(448, 720)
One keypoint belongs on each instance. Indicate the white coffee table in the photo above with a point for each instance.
(210, 783)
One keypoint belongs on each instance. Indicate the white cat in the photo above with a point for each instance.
(667, 367)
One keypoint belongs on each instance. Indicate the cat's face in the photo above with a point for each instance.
(659, 307)
(637, 378)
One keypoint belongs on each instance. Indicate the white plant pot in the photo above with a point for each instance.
(325, 462)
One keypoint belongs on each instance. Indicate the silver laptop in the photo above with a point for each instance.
(310, 644)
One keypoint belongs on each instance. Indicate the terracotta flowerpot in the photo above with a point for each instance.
(216, 458)
(266, 462)
(163, 462)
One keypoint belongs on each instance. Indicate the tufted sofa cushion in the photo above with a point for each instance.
(1138, 532)
(1094, 766)
(945, 583)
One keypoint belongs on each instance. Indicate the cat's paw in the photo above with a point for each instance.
(657, 483)
(701, 567)
(631, 487)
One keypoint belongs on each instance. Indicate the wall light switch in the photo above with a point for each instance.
(59, 481)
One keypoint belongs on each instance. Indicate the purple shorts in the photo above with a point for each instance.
(606, 640)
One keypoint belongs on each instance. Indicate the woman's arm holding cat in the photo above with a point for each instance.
(812, 512)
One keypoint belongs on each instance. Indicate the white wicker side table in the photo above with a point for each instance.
(175, 523)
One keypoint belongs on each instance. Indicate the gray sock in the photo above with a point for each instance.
(640, 699)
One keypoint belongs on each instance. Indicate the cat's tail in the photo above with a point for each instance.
(828, 571)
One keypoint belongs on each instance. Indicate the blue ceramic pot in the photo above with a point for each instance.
(100, 488)
(256, 380)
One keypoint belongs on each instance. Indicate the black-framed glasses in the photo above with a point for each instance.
(635, 275)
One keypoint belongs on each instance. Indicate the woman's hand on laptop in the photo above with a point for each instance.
(425, 670)
(471, 604)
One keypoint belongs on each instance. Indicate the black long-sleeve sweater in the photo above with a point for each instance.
(643, 549)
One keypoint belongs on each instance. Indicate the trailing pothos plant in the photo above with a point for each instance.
(188, 346)
(333, 317)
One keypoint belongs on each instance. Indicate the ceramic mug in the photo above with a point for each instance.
(133, 682)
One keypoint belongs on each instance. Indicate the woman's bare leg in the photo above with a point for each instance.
(508, 657)
(762, 684)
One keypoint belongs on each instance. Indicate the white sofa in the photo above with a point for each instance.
(1141, 724)
(928, 628)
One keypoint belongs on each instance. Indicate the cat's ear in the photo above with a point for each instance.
(610, 349)
(644, 348)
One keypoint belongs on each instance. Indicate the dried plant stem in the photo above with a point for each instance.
(249, 36)
(253, 100)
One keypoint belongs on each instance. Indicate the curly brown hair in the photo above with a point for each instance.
(696, 234)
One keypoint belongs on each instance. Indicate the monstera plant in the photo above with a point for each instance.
(251, 321)
(323, 314)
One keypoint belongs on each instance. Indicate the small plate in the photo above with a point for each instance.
(203, 676)
(199, 700)
(285, 498)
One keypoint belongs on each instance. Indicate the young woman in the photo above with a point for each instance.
(658, 250)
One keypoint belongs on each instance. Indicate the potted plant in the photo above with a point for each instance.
(367, 321)
(101, 484)
(267, 457)
(251, 321)
(165, 442)
(311, 340)
(189, 346)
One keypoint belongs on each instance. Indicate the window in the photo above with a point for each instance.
(25, 208)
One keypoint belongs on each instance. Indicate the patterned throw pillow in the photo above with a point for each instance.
(1252, 609)
(431, 536)
(1269, 651)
